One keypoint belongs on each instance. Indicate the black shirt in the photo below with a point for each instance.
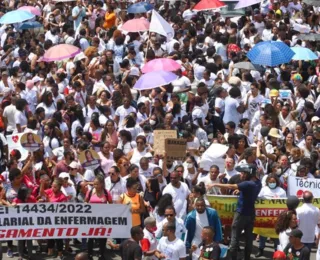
(211, 251)
(301, 254)
(130, 250)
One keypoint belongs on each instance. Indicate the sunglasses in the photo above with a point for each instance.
(112, 173)
(169, 215)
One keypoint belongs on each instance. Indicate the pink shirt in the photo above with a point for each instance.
(106, 164)
(95, 199)
(56, 198)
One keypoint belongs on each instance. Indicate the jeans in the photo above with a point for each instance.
(239, 224)
(262, 242)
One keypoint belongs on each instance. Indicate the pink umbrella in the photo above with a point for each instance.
(136, 25)
(60, 52)
(204, 5)
(163, 64)
(30, 9)
(246, 3)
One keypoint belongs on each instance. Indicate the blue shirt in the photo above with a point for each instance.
(249, 191)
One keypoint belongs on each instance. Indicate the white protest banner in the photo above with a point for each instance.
(65, 220)
(296, 186)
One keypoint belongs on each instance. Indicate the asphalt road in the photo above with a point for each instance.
(114, 255)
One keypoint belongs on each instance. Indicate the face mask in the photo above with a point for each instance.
(153, 229)
(279, 172)
(190, 165)
(272, 185)
(152, 122)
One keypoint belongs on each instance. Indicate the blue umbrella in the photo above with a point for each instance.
(16, 16)
(270, 53)
(30, 25)
(141, 7)
(303, 54)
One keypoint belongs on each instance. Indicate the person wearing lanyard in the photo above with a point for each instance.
(244, 216)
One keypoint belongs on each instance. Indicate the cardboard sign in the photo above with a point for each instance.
(159, 140)
(176, 148)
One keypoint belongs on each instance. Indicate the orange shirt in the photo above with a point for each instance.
(135, 205)
(110, 20)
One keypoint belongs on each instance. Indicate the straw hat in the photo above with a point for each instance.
(274, 133)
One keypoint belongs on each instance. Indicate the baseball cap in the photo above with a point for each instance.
(64, 175)
(274, 93)
(134, 71)
(74, 165)
(295, 233)
(4, 73)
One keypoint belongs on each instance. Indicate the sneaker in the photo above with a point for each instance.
(9, 253)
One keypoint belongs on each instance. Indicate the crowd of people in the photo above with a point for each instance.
(88, 103)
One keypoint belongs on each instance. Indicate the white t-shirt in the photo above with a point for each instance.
(201, 222)
(69, 191)
(47, 142)
(20, 118)
(173, 250)
(268, 193)
(180, 228)
(179, 197)
(231, 113)
(4, 142)
(49, 111)
(181, 84)
(9, 113)
(308, 219)
(122, 112)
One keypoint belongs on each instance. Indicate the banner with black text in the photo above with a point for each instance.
(65, 220)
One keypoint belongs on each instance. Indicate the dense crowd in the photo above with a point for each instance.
(87, 102)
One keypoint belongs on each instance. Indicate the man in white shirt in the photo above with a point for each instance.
(308, 219)
(210, 179)
(9, 116)
(229, 170)
(171, 217)
(179, 192)
(122, 112)
(169, 246)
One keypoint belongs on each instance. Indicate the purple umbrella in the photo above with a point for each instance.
(154, 79)
(246, 3)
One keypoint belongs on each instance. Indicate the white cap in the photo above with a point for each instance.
(315, 119)
(79, 56)
(64, 175)
(74, 165)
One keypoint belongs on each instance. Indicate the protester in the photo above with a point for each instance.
(296, 249)
(232, 107)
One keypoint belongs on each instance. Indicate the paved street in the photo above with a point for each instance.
(114, 255)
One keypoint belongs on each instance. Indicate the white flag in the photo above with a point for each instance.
(160, 25)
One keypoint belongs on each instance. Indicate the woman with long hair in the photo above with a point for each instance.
(48, 104)
(109, 134)
(21, 115)
(286, 222)
(159, 210)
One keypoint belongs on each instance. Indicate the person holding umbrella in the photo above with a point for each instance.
(244, 216)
